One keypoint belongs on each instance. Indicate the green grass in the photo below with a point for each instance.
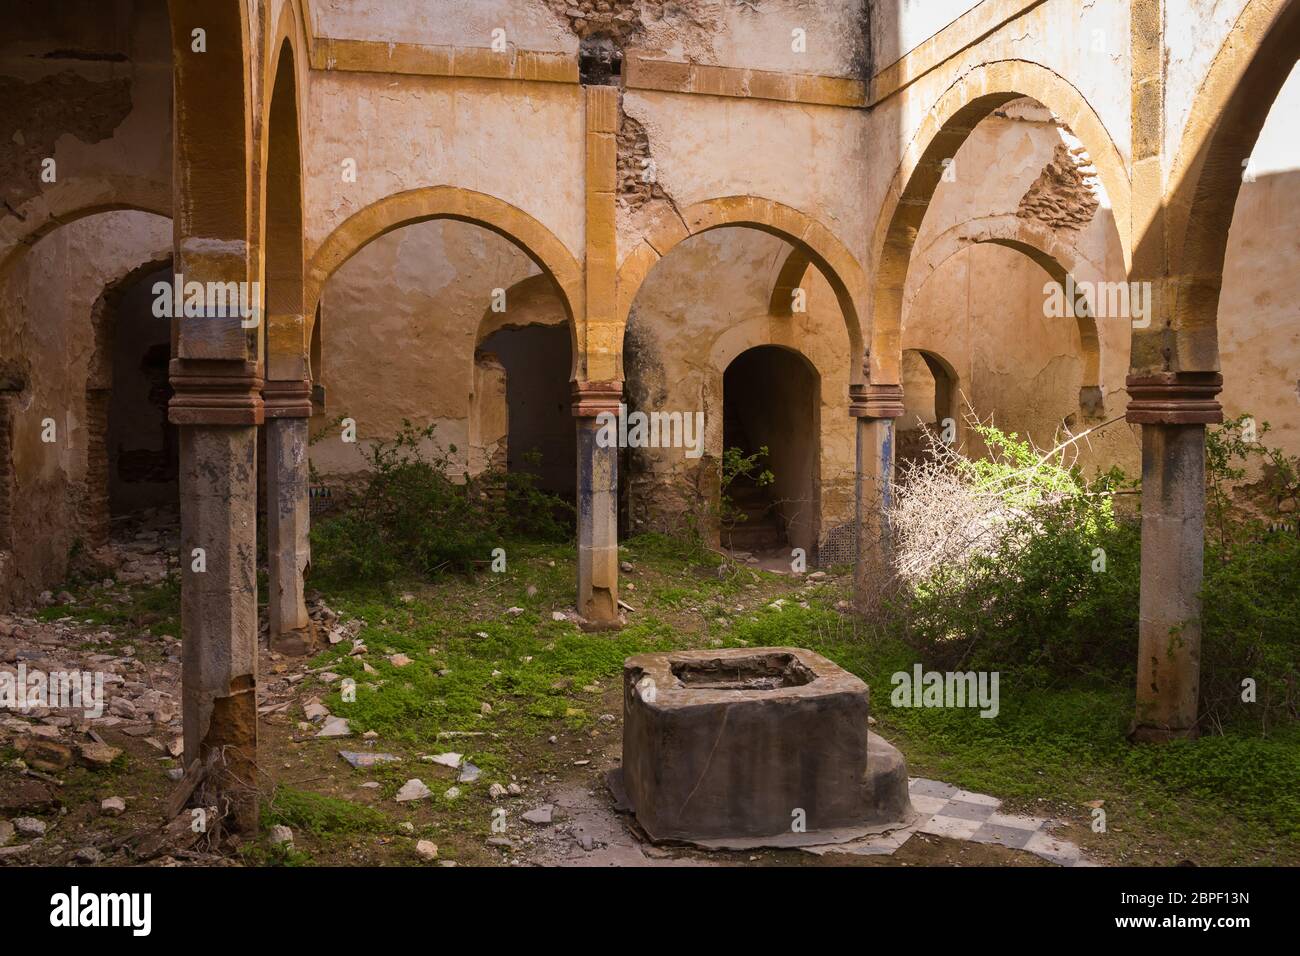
(1226, 799)
(321, 815)
(156, 608)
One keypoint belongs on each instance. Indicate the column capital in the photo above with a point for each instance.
(592, 398)
(876, 401)
(287, 399)
(215, 392)
(1174, 398)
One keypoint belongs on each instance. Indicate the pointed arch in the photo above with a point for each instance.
(818, 243)
(974, 96)
(463, 205)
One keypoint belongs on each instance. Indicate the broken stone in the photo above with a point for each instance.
(112, 806)
(6, 832)
(452, 793)
(29, 826)
(399, 660)
(89, 854)
(448, 759)
(364, 760)
(496, 791)
(426, 850)
(514, 611)
(539, 815)
(315, 710)
(281, 835)
(413, 789)
(469, 773)
(47, 756)
(335, 727)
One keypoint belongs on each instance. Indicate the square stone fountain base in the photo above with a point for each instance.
(749, 747)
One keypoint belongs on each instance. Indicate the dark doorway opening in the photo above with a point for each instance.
(541, 434)
(771, 399)
(137, 462)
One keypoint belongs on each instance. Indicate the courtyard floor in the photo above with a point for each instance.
(487, 692)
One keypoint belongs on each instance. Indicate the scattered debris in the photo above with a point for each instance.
(539, 815)
(413, 789)
(364, 760)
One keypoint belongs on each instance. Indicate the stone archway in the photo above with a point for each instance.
(946, 127)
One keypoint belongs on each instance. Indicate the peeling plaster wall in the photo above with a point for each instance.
(46, 335)
(529, 24)
(400, 323)
(897, 28)
(88, 85)
(1194, 32)
(741, 33)
(1100, 76)
(699, 308)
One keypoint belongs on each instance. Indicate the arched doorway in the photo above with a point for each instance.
(133, 451)
(771, 401)
(534, 361)
(929, 397)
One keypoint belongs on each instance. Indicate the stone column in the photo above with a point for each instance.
(597, 504)
(288, 515)
(875, 407)
(218, 406)
(1173, 410)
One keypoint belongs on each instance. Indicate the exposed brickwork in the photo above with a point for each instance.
(6, 473)
(637, 183)
(1063, 196)
(94, 502)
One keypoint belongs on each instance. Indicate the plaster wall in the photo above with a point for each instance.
(400, 324)
(519, 142)
(89, 86)
(47, 342)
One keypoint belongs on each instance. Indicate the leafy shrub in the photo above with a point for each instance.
(410, 516)
(737, 466)
(1016, 563)
(1251, 591)
(1019, 564)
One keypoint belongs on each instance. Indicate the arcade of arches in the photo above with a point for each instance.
(821, 250)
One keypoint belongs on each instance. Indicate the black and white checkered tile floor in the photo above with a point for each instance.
(944, 810)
